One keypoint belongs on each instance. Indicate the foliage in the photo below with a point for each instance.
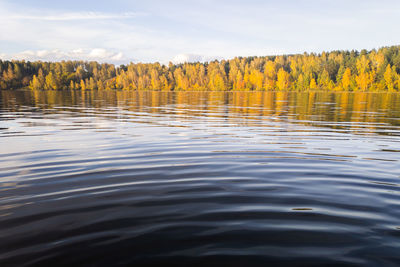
(337, 70)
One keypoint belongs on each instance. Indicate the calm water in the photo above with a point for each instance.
(106, 178)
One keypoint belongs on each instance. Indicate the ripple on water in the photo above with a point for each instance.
(141, 178)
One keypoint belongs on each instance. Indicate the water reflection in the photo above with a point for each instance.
(239, 178)
(378, 112)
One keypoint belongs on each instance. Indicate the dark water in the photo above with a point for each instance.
(215, 179)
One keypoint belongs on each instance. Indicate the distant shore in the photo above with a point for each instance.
(375, 70)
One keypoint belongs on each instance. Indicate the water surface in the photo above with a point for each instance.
(239, 179)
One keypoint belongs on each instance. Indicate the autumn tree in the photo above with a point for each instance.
(283, 79)
(337, 70)
(346, 79)
(51, 82)
(389, 78)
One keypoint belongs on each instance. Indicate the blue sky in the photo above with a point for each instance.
(121, 31)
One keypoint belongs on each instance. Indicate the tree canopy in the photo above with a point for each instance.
(375, 70)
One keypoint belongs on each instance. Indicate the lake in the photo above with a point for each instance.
(196, 178)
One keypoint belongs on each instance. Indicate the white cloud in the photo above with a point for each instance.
(97, 54)
(203, 28)
(100, 53)
(103, 54)
(118, 56)
(72, 16)
(183, 58)
(134, 38)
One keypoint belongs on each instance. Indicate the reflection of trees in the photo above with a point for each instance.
(310, 108)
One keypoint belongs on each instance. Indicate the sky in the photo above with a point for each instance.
(122, 31)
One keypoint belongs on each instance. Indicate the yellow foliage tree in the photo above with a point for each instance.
(364, 80)
(35, 84)
(283, 79)
(389, 79)
(83, 86)
(313, 84)
(51, 82)
(346, 79)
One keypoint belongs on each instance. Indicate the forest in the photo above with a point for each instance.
(375, 70)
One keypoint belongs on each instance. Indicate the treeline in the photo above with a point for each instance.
(375, 70)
